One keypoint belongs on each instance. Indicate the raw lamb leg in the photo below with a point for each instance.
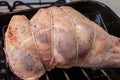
(57, 37)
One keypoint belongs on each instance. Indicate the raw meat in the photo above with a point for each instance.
(57, 37)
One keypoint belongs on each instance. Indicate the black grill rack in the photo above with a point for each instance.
(5, 4)
(25, 6)
(109, 22)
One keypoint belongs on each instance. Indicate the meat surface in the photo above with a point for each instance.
(57, 37)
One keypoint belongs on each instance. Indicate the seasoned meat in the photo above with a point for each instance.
(57, 37)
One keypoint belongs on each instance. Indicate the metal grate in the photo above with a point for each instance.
(64, 74)
(19, 5)
(4, 7)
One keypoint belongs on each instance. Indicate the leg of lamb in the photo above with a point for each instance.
(57, 37)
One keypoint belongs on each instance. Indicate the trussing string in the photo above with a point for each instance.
(93, 44)
(75, 31)
(36, 46)
(51, 31)
(34, 40)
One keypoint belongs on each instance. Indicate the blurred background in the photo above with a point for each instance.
(113, 4)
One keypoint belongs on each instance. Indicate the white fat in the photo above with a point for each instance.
(59, 58)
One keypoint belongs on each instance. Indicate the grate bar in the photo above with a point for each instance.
(46, 75)
(105, 74)
(85, 74)
(114, 22)
(3, 31)
(103, 22)
(66, 75)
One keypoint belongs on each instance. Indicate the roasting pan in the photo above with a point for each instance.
(96, 11)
